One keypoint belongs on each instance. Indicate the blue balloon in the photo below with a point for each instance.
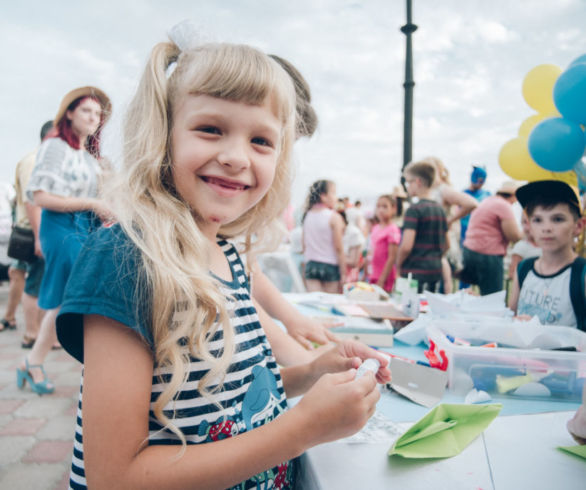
(569, 93)
(578, 60)
(557, 144)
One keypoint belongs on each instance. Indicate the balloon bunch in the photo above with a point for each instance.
(550, 144)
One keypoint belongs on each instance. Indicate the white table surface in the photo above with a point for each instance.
(514, 452)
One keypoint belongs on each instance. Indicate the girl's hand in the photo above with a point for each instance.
(336, 406)
(38, 250)
(349, 354)
(102, 211)
(312, 330)
(523, 318)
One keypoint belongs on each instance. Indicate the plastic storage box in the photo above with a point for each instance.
(531, 361)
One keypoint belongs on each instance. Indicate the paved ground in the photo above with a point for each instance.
(36, 432)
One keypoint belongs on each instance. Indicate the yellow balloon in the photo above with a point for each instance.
(516, 162)
(569, 177)
(528, 124)
(538, 87)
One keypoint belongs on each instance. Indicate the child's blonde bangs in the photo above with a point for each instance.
(234, 72)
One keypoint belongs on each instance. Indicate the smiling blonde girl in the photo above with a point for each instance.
(180, 386)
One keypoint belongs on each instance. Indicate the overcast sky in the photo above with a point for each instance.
(470, 58)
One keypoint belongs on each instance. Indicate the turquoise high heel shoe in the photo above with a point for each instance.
(44, 387)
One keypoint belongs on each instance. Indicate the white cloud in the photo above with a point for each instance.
(493, 32)
(469, 62)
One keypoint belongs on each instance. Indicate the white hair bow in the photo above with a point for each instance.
(186, 35)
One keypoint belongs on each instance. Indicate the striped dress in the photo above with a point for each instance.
(251, 396)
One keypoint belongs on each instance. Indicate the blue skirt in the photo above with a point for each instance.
(62, 235)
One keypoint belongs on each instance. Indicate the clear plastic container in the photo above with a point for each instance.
(531, 361)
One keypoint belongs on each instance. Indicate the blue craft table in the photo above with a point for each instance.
(517, 451)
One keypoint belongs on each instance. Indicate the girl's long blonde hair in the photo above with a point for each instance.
(160, 223)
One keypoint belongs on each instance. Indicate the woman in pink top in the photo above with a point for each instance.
(323, 249)
(385, 238)
(492, 226)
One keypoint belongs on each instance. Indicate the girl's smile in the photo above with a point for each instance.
(223, 186)
(224, 156)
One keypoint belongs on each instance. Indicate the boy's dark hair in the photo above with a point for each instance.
(548, 202)
(423, 170)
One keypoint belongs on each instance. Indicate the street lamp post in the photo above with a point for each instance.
(408, 29)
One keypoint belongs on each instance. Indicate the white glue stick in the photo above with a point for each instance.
(368, 365)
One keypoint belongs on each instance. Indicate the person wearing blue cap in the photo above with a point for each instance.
(477, 180)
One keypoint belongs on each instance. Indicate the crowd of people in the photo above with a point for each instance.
(148, 275)
(446, 240)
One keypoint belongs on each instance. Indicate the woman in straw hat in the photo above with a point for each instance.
(64, 183)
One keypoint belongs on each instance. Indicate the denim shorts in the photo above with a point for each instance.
(18, 264)
(320, 271)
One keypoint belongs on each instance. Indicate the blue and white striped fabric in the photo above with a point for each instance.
(252, 393)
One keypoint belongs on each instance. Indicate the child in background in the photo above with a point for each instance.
(385, 238)
(180, 387)
(524, 248)
(551, 286)
(354, 243)
(323, 244)
(424, 230)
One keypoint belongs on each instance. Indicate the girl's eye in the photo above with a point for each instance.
(261, 141)
(209, 130)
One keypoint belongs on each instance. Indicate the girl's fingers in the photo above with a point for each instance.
(304, 342)
(321, 337)
(383, 375)
(364, 352)
(343, 376)
(373, 397)
(331, 323)
(330, 336)
(355, 362)
(367, 383)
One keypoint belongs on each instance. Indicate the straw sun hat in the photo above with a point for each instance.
(84, 92)
(508, 187)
